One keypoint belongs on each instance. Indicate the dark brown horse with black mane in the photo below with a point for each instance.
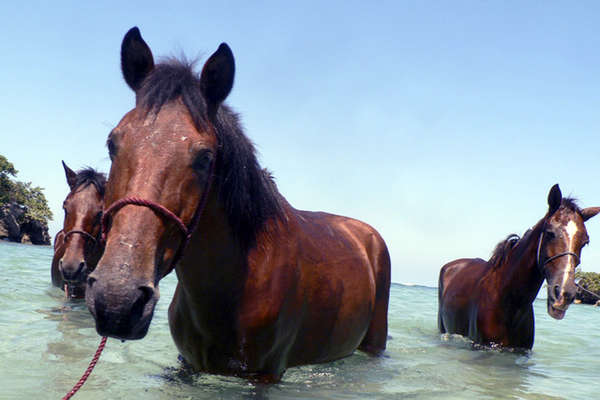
(77, 247)
(261, 286)
(491, 301)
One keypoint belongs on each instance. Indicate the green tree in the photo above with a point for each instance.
(22, 193)
(7, 169)
(33, 199)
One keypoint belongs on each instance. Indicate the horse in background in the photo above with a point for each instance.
(262, 286)
(490, 302)
(77, 247)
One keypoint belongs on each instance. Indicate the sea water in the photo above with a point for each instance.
(47, 342)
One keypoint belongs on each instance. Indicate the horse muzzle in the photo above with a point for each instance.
(121, 311)
(559, 301)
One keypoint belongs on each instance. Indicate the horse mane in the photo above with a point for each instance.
(89, 176)
(502, 250)
(249, 193)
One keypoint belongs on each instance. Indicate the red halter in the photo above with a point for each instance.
(165, 213)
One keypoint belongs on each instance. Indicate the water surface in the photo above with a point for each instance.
(46, 343)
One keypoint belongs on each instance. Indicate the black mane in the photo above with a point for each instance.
(502, 250)
(89, 176)
(248, 193)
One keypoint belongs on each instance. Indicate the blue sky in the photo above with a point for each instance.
(442, 124)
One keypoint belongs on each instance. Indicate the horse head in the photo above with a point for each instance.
(163, 155)
(81, 227)
(559, 249)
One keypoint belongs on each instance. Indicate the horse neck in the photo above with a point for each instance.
(520, 275)
(213, 262)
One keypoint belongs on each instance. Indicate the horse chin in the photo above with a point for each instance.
(128, 323)
(124, 331)
(75, 290)
(556, 313)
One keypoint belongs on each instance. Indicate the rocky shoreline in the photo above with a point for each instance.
(28, 231)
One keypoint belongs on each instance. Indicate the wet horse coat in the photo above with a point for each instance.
(262, 286)
(490, 302)
(77, 246)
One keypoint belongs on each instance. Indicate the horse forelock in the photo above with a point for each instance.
(89, 176)
(248, 193)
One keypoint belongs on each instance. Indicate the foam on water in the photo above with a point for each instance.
(46, 344)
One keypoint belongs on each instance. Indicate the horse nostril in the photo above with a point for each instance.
(90, 281)
(556, 292)
(568, 297)
(81, 266)
(147, 294)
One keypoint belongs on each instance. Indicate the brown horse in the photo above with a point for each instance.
(491, 302)
(261, 286)
(77, 246)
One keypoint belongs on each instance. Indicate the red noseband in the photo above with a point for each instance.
(165, 213)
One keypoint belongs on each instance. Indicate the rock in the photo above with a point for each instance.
(36, 232)
(9, 215)
(28, 231)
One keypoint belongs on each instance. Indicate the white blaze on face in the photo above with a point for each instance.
(571, 230)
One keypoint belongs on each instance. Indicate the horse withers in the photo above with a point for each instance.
(490, 302)
(261, 286)
(77, 247)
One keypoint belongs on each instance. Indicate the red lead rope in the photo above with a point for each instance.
(88, 371)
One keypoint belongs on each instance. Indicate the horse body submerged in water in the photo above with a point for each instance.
(490, 302)
(77, 246)
(261, 286)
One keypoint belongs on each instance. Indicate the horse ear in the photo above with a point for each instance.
(71, 176)
(217, 75)
(589, 212)
(554, 199)
(136, 59)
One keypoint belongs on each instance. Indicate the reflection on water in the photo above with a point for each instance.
(47, 342)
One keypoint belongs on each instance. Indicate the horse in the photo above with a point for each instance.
(490, 302)
(77, 247)
(261, 286)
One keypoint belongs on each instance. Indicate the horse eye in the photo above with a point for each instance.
(99, 216)
(112, 149)
(550, 234)
(202, 160)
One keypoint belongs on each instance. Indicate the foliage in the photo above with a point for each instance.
(7, 169)
(589, 281)
(22, 193)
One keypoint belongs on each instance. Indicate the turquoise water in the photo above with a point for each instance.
(46, 344)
